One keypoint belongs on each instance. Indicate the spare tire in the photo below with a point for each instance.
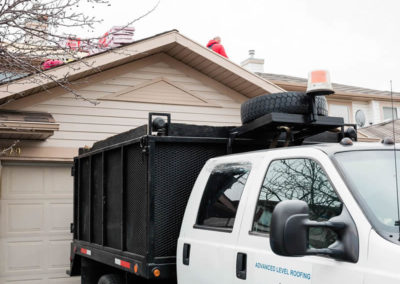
(289, 102)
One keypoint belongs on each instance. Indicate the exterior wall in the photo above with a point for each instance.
(82, 123)
(373, 109)
(376, 112)
(365, 107)
(342, 103)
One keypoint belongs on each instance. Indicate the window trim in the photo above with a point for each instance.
(210, 228)
(251, 231)
(258, 234)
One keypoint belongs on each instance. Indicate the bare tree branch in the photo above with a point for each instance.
(9, 149)
(32, 31)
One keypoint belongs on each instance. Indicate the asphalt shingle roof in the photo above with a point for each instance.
(382, 130)
(339, 88)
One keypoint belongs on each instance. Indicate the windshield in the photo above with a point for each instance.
(372, 178)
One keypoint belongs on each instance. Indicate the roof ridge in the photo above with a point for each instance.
(333, 83)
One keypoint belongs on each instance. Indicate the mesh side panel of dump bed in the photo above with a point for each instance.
(176, 166)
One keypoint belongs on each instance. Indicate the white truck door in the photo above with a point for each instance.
(292, 178)
(206, 251)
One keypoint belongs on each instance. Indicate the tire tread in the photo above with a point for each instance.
(288, 102)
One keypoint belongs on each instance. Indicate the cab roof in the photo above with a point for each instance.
(328, 148)
(332, 148)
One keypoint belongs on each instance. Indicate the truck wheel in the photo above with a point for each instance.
(289, 102)
(110, 279)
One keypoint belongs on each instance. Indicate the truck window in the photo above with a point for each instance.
(301, 179)
(371, 175)
(222, 195)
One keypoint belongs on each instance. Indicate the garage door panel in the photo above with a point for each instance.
(57, 181)
(24, 256)
(15, 180)
(60, 215)
(48, 217)
(25, 217)
(22, 182)
(59, 257)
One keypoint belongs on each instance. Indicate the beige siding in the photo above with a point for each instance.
(82, 123)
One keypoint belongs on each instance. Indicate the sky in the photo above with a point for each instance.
(356, 40)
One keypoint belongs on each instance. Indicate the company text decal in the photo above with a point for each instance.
(284, 270)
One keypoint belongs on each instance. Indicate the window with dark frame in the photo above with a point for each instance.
(222, 195)
(389, 112)
(298, 179)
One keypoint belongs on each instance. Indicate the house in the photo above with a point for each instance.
(356, 105)
(43, 125)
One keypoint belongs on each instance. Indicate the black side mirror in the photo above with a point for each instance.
(290, 225)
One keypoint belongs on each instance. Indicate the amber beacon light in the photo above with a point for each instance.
(319, 83)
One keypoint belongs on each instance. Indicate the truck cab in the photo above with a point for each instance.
(337, 218)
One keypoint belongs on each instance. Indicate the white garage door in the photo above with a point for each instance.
(35, 214)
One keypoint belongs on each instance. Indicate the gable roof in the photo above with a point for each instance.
(342, 91)
(171, 43)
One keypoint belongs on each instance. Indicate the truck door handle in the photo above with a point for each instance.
(241, 265)
(186, 254)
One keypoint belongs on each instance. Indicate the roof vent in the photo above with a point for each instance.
(252, 52)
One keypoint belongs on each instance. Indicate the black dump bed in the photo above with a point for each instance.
(131, 190)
